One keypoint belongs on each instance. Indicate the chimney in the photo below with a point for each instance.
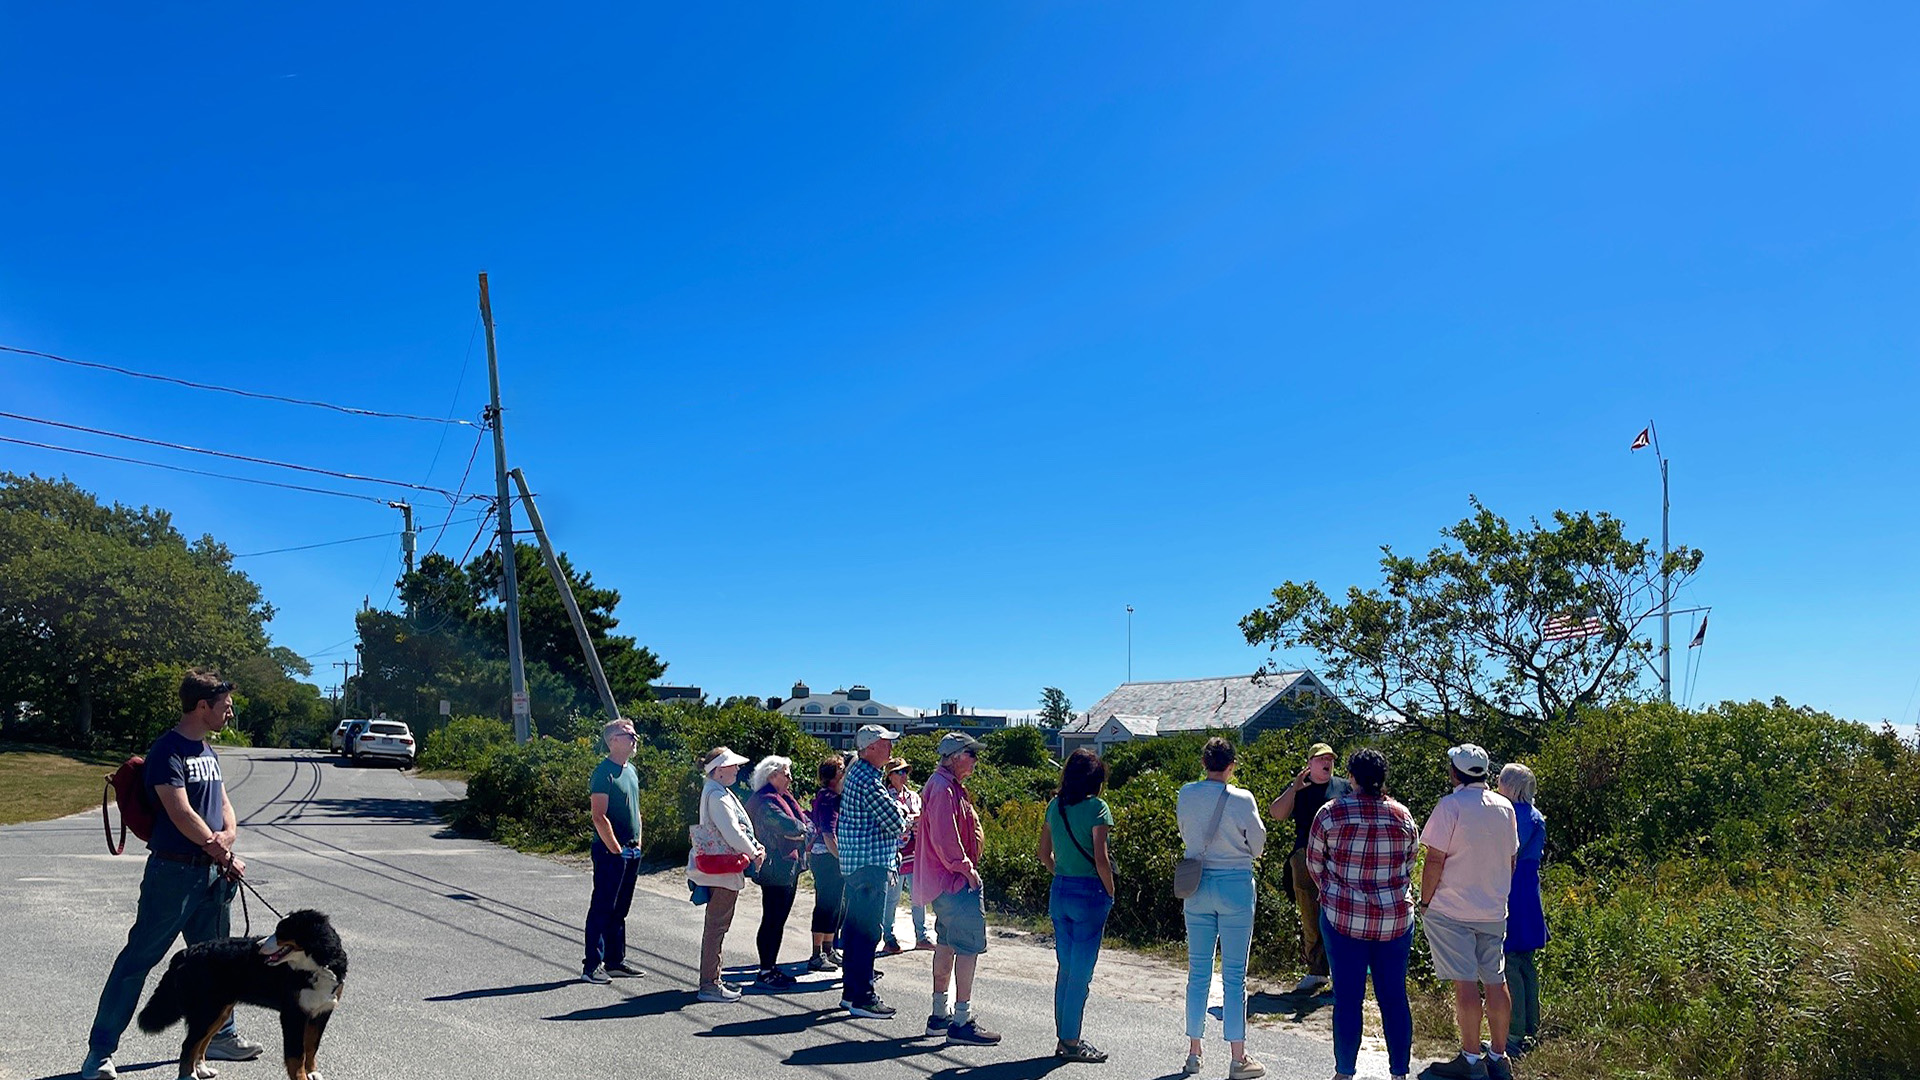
(859, 693)
(773, 704)
(950, 707)
(800, 690)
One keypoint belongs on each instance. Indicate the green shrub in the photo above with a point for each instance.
(464, 742)
(533, 796)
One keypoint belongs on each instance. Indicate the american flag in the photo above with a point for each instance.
(1567, 627)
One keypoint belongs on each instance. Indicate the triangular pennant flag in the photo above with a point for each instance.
(1644, 438)
(1700, 635)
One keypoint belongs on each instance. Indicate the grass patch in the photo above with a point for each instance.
(39, 784)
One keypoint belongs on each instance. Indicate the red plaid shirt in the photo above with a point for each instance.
(1360, 854)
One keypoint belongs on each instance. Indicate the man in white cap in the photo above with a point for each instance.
(868, 832)
(1471, 841)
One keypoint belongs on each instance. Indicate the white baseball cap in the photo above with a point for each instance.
(1471, 760)
(870, 734)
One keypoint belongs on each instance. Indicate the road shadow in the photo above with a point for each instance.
(1028, 1069)
(1295, 1007)
(377, 810)
(143, 1066)
(658, 1003)
(504, 991)
(782, 1024)
(854, 1052)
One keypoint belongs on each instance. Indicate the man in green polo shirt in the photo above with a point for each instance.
(615, 801)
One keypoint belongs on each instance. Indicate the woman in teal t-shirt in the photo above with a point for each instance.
(1073, 844)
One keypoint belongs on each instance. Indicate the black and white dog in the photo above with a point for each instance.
(298, 972)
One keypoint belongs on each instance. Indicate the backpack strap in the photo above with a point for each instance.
(106, 821)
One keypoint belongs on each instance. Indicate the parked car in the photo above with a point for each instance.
(389, 739)
(342, 742)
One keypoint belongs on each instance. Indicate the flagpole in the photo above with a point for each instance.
(1666, 591)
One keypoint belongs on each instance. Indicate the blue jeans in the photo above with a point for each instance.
(1079, 906)
(866, 893)
(1351, 959)
(1220, 912)
(613, 880)
(918, 912)
(175, 898)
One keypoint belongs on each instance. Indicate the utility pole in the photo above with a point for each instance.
(406, 540)
(1129, 642)
(509, 574)
(1652, 435)
(566, 597)
(346, 672)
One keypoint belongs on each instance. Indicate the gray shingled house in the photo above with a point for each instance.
(1146, 710)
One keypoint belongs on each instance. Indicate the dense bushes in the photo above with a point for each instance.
(464, 742)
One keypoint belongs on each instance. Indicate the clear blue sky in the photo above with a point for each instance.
(907, 347)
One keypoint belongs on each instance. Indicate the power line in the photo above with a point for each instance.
(232, 457)
(375, 499)
(333, 543)
(468, 471)
(476, 536)
(455, 403)
(350, 411)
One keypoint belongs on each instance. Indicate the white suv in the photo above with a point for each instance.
(388, 739)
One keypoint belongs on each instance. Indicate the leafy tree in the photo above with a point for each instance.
(1018, 748)
(1056, 711)
(100, 605)
(1466, 633)
(453, 646)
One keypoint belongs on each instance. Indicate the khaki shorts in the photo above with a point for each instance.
(960, 921)
(1467, 951)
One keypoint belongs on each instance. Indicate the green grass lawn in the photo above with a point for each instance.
(38, 783)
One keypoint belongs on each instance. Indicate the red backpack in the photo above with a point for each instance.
(128, 787)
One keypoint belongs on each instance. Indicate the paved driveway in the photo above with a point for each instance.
(465, 961)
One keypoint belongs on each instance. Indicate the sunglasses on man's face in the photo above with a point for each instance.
(626, 735)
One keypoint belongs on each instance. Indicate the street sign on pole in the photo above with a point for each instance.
(446, 707)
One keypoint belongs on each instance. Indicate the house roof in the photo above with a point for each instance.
(883, 713)
(1189, 704)
(1137, 725)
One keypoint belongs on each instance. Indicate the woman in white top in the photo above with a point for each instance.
(720, 808)
(1220, 912)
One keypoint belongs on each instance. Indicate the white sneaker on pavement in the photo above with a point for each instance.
(98, 1068)
(233, 1048)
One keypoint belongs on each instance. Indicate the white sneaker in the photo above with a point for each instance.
(719, 993)
(100, 1068)
(1309, 983)
(1192, 1066)
(233, 1048)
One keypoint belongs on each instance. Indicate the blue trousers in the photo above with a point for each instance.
(613, 880)
(866, 895)
(1079, 907)
(1219, 913)
(175, 898)
(1352, 959)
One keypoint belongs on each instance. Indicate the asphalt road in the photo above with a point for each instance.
(465, 961)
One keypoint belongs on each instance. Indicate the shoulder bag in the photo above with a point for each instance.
(1186, 872)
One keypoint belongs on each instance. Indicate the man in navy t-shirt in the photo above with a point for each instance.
(191, 870)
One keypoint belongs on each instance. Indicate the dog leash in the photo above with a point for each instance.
(247, 916)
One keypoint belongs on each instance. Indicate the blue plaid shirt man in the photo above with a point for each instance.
(871, 822)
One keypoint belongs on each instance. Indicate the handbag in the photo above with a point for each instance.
(1186, 872)
(711, 852)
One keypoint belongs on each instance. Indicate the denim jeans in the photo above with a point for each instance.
(890, 910)
(1079, 907)
(613, 879)
(1220, 912)
(866, 894)
(1351, 959)
(175, 898)
(918, 912)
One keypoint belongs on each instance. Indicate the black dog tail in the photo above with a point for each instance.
(168, 1004)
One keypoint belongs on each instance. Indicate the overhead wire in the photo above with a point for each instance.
(129, 372)
(333, 543)
(377, 500)
(230, 456)
(464, 474)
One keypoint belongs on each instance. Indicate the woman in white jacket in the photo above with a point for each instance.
(720, 810)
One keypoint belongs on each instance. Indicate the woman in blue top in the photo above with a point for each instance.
(1073, 844)
(1526, 916)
